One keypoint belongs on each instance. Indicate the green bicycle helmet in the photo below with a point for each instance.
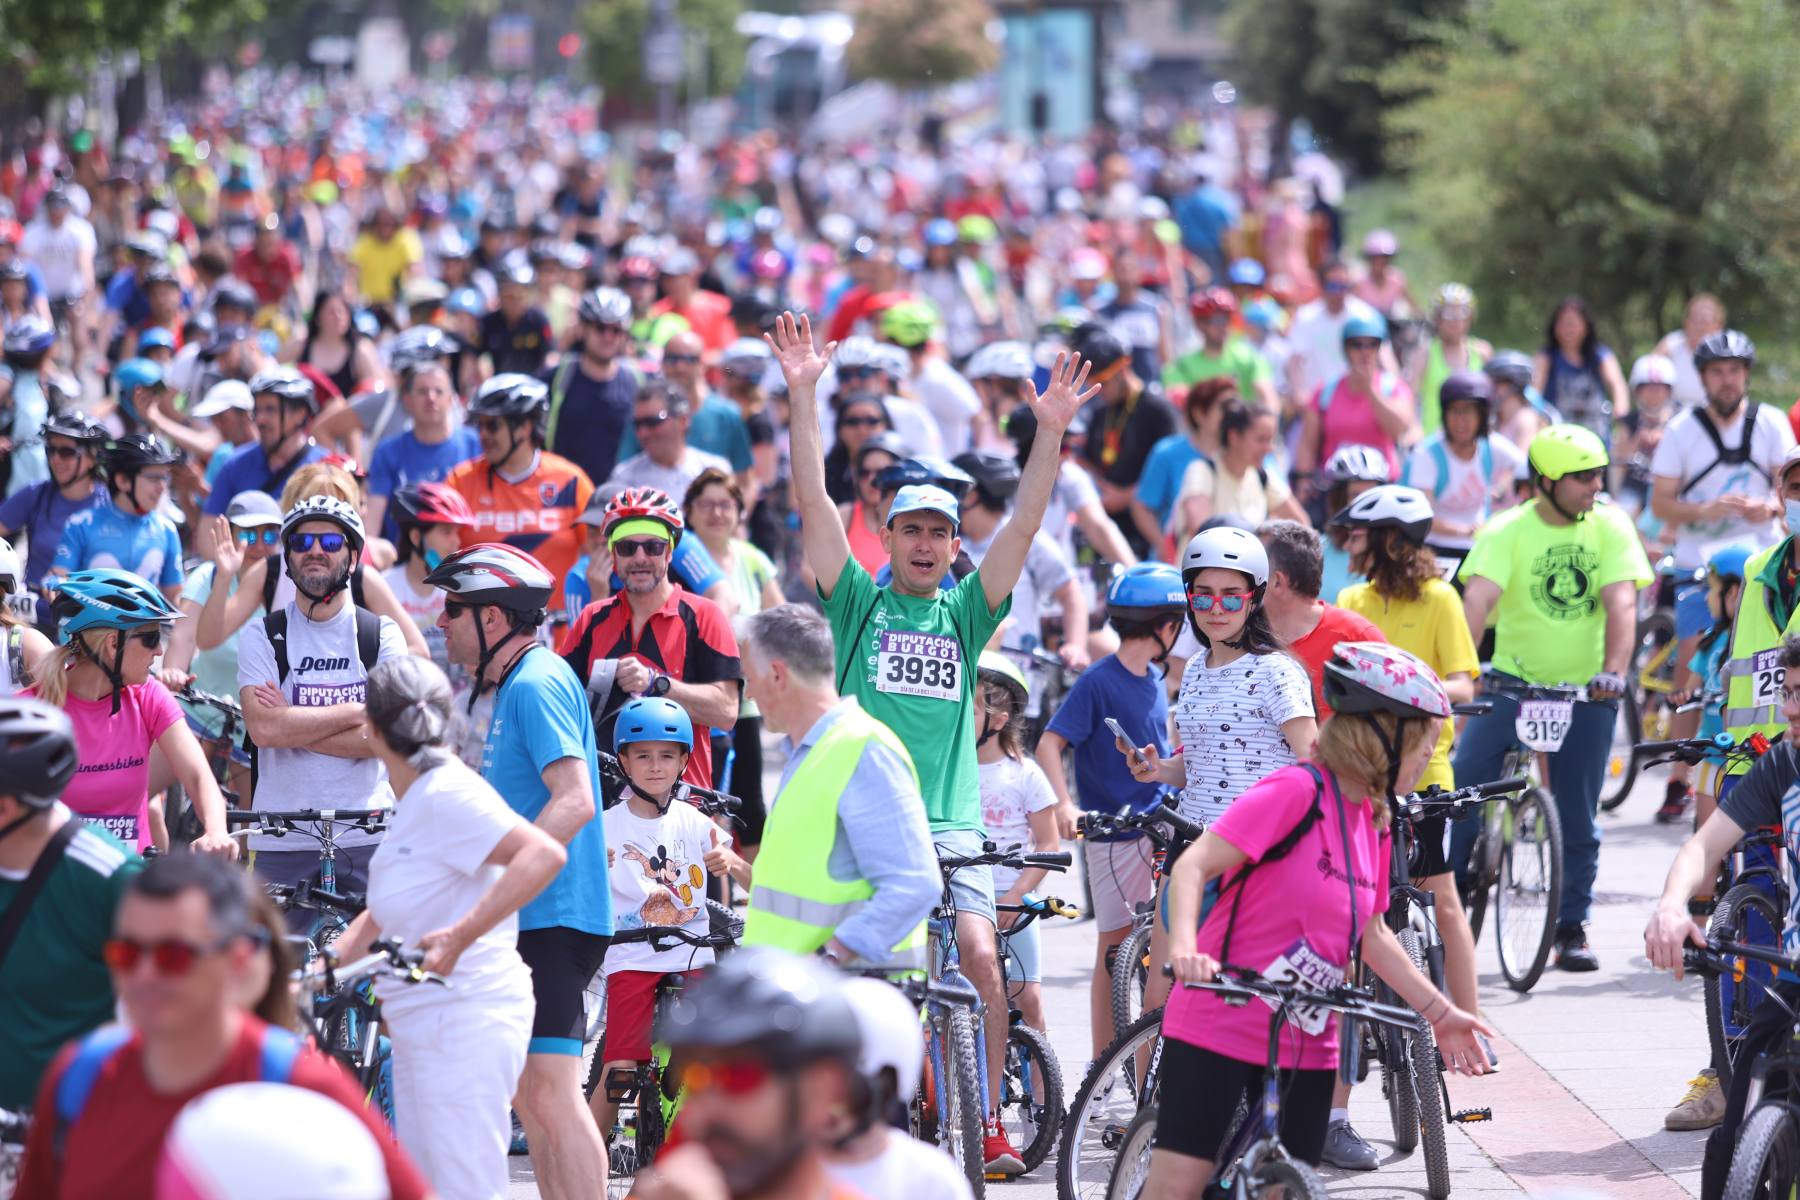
(999, 669)
(1565, 450)
(909, 323)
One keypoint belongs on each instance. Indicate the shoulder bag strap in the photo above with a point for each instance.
(13, 920)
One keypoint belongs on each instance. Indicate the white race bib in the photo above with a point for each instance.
(1301, 966)
(1543, 724)
(928, 665)
(1765, 678)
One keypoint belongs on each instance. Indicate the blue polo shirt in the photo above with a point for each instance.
(248, 471)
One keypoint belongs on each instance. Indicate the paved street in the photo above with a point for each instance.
(1589, 1063)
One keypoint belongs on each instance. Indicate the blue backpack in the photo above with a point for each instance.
(276, 1065)
(1440, 458)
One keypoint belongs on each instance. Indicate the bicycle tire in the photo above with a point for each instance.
(648, 1131)
(1286, 1179)
(1428, 1086)
(1131, 1172)
(965, 1137)
(1130, 978)
(1112, 1092)
(1484, 867)
(1523, 934)
(1031, 1125)
(1768, 1153)
(594, 1007)
(1737, 918)
(1615, 788)
(1397, 1086)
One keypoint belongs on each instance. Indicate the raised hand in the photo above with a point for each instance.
(792, 343)
(227, 551)
(1056, 407)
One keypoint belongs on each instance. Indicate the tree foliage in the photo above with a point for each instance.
(56, 41)
(1322, 61)
(615, 36)
(922, 42)
(1634, 151)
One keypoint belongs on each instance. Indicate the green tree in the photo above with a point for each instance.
(1322, 61)
(615, 36)
(1633, 151)
(922, 42)
(56, 41)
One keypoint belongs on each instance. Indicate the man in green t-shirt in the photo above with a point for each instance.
(54, 986)
(1222, 353)
(1560, 573)
(907, 652)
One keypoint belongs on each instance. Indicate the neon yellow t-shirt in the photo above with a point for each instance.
(1431, 627)
(1550, 627)
(380, 265)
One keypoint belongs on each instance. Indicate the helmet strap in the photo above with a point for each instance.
(1547, 489)
(486, 653)
(1391, 746)
(19, 822)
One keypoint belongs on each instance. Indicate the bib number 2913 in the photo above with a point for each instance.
(928, 665)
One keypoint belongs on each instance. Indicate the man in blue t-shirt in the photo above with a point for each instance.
(540, 755)
(1145, 606)
(40, 512)
(284, 407)
(428, 451)
(129, 533)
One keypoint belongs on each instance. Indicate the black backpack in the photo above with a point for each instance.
(368, 650)
(1727, 458)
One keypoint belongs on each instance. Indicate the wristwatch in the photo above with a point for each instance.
(659, 686)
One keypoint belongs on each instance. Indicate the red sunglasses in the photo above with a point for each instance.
(734, 1077)
(169, 956)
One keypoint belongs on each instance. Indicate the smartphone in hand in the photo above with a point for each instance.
(1118, 730)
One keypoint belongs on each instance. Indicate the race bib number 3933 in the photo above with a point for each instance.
(919, 664)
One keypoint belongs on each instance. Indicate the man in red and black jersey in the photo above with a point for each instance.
(658, 639)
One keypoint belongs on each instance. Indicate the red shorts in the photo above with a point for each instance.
(630, 1015)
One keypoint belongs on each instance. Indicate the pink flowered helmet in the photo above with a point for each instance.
(1374, 677)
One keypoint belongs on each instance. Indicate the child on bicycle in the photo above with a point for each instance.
(1019, 809)
(654, 851)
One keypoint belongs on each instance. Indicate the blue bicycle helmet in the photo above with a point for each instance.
(1366, 325)
(940, 232)
(1727, 562)
(135, 373)
(108, 598)
(1246, 272)
(29, 335)
(1145, 592)
(652, 719)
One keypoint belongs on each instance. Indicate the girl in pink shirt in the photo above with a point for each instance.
(116, 623)
(1306, 909)
(1365, 406)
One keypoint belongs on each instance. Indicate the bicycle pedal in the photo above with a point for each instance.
(1471, 1116)
(997, 1176)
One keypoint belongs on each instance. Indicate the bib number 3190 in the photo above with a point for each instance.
(1544, 724)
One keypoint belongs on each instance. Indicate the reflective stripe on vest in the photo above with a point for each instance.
(803, 912)
(1753, 633)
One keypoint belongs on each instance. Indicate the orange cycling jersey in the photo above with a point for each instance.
(536, 514)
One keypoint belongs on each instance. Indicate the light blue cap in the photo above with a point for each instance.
(925, 497)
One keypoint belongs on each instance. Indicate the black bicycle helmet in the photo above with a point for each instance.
(604, 306)
(1725, 345)
(37, 751)
(15, 271)
(133, 452)
(1466, 385)
(949, 476)
(1099, 345)
(996, 476)
(888, 442)
(290, 385)
(75, 427)
(230, 293)
(783, 1008)
(1510, 366)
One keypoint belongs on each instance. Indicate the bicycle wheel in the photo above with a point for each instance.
(964, 1137)
(1744, 914)
(1766, 1163)
(1427, 1085)
(1130, 977)
(594, 1005)
(1397, 1086)
(1483, 867)
(1284, 1179)
(639, 1134)
(1622, 759)
(1529, 889)
(1031, 1095)
(1131, 1173)
(1121, 1082)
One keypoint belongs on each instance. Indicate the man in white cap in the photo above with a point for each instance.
(223, 425)
(907, 652)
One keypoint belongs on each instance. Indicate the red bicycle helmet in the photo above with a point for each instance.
(432, 504)
(638, 267)
(1213, 302)
(644, 503)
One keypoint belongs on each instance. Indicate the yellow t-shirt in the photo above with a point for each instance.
(380, 265)
(1431, 627)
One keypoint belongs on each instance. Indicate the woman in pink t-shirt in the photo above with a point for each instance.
(1365, 406)
(1308, 908)
(116, 624)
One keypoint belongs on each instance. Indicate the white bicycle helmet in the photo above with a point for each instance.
(14, 595)
(262, 1141)
(1389, 506)
(327, 508)
(1653, 368)
(1358, 462)
(1001, 360)
(854, 352)
(891, 1037)
(1233, 549)
(1375, 677)
(494, 573)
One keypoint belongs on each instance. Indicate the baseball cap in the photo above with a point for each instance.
(1787, 462)
(918, 497)
(595, 512)
(222, 340)
(223, 396)
(252, 507)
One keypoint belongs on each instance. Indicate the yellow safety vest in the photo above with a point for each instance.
(795, 903)
(1753, 675)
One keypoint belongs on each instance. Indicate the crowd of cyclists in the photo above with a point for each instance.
(438, 456)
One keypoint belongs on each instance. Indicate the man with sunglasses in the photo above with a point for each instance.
(662, 417)
(301, 675)
(1561, 575)
(284, 406)
(717, 426)
(71, 445)
(130, 533)
(185, 952)
(592, 387)
(521, 493)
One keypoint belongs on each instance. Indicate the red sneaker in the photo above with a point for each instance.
(999, 1153)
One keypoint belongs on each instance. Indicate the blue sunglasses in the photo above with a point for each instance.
(331, 543)
(270, 535)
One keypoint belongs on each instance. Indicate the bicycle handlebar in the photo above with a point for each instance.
(282, 822)
(1716, 958)
(711, 803)
(1475, 708)
(194, 695)
(921, 990)
(1693, 750)
(672, 933)
(1147, 821)
(1426, 803)
(385, 955)
(993, 856)
(307, 894)
(1240, 984)
(1042, 656)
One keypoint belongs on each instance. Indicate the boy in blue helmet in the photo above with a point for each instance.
(656, 854)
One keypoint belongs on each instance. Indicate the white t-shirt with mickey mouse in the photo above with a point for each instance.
(658, 878)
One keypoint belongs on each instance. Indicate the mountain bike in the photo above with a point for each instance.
(1123, 1081)
(320, 825)
(1254, 1164)
(339, 1006)
(956, 1039)
(645, 1098)
(228, 762)
(1645, 712)
(1030, 1103)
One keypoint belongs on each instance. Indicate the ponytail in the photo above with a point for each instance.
(52, 678)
